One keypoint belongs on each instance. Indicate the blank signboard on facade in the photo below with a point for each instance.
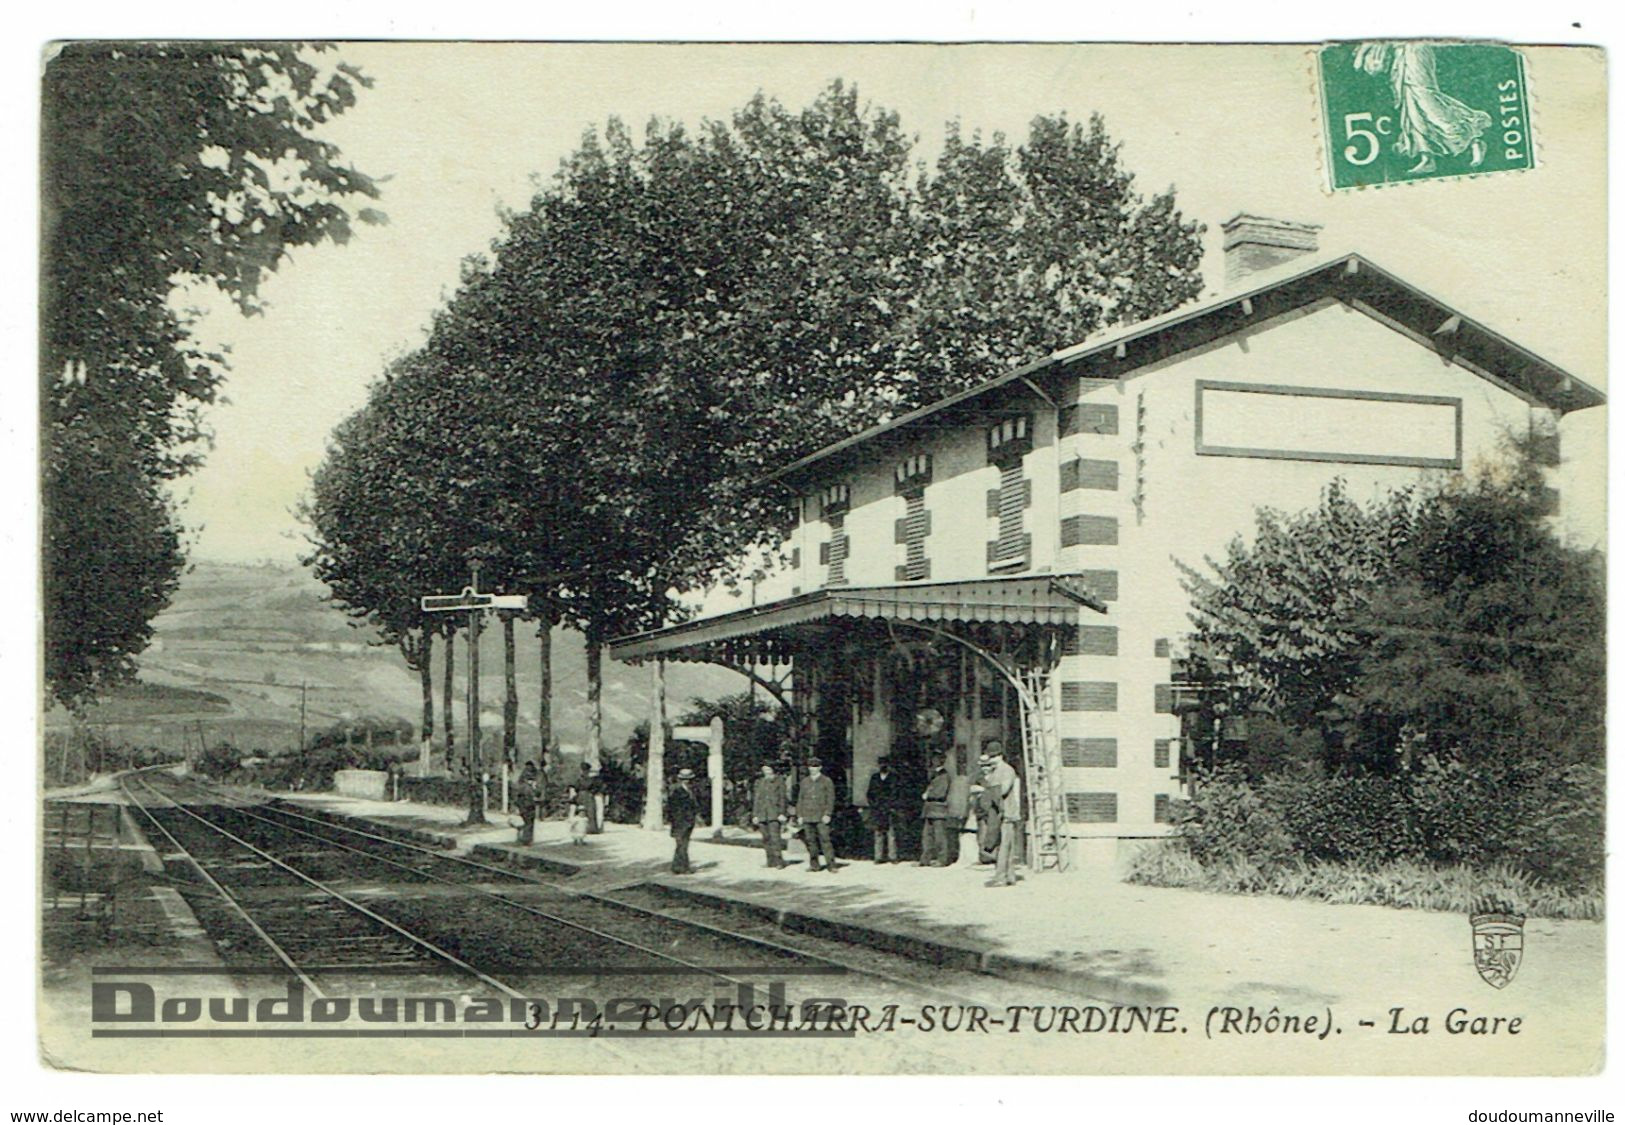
(1313, 424)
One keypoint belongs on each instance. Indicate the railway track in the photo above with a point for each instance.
(250, 855)
(335, 933)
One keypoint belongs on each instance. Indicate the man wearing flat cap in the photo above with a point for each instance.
(769, 810)
(683, 808)
(815, 805)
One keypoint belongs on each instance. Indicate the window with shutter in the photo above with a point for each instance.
(1084, 753)
(1088, 695)
(1091, 808)
(1160, 753)
(1008, 442)
(837, 551)
(911, 476)
(1091, 640)
(916, 525)
(834, 502)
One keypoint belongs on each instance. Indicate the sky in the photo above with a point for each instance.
(460, 131)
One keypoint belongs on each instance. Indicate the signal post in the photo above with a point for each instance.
(475, 602)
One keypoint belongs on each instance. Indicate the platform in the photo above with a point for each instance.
(1114, 940)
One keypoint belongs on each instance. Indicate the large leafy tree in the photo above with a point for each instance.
(118, 528)
(1028, 248)
(708, 304)
(1286, 613)
(1489, 645)
(164, 167)
(376, 527)
(419, 485)
(671, 319)
(1452, 622)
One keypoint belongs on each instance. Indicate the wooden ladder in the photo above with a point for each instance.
(1049, 845)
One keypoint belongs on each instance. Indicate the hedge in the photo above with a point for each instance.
(1545, 824)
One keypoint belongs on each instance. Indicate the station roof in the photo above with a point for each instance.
(1349, 277)
(1045, 599)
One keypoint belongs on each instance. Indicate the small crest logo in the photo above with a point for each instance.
(1497, 945)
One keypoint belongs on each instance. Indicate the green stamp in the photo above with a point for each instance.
(1403, 110)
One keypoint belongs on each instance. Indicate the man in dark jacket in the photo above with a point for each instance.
(683, 809)
(882, 796)
(815, 805)
(989, 822)
(527, 798)
(958, 812)
(934, 841)
(768, 811)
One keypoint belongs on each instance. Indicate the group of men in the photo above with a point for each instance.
(945, 805)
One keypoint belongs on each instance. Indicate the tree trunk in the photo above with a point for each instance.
(426, 684)
(595, 700)
(544, 701)
(510, 700)
(447, 721)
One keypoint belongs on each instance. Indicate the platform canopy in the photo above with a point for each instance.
(774, 632)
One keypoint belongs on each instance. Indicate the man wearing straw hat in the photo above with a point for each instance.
(684, 810)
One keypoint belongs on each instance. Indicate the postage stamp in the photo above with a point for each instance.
(1397, 112)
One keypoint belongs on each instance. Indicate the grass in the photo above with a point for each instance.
(1401, 883)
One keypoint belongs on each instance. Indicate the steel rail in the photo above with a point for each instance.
(607, 900)
(230, 899)
(339, 896)
(527, 908)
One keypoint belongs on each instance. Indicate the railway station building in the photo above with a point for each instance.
(1003, 563)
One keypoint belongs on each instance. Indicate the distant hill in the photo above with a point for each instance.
(232, 651)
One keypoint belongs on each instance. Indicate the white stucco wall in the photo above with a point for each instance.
(956, 499)
(1195, 504)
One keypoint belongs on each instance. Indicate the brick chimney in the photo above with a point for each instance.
(1253, 243)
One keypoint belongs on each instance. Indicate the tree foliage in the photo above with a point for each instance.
(673, 318)
(164, 167)
(1288, 611)
(116, 531)
(709, 304)
(1449, 623)
(1490, 643)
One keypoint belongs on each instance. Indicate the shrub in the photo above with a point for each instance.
(1227, 820)
(1563, 835)
(1351, 819)
(219, 760)
(1453, 810)
(452, 791)
(623, 788)
(1407, 884)
(1548, 825)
